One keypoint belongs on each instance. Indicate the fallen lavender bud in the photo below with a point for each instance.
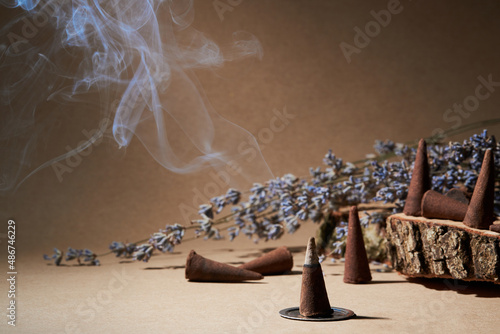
(143, 252)
(57, 256)
(122, 249)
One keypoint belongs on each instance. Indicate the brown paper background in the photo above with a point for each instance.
(398, 87)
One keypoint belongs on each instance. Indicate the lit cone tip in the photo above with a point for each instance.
(312, 258)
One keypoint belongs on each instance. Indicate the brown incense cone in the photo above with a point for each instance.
(458, 195)
(480, 212)
(313, 297)
(356, 269)
(201, 269)
(436, 205)
(420, 181)
(275, 262)
(495, 228)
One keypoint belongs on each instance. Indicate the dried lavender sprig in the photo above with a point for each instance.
(122, 249)
(394, 176)
(167, 239)
(143, 252)
(74, 254)
(57, 256)
(331, 178)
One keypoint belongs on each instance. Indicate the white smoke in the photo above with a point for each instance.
(142, 52)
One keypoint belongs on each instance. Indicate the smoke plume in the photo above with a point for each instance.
(139, 58)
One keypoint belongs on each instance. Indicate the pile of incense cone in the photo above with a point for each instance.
(422, 201)
(356, 269)
(313, 296)
(200, 269)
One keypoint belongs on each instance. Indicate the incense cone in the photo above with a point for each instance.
(356, 269)
(457, 195)
(420, 181)
(275, 262)
(201, 269)
(480, 212)
(436, 205)
(313, 297)
(495, 228)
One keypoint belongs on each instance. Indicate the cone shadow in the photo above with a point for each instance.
(287, 273)
(74, 265)
(293, 250)
(364, 317)
(294, 272)
(383, 282)
(165, 267)
(227, 282)
(479, 289)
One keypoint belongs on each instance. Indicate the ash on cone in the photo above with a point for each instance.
(313, 296)
(312, 258)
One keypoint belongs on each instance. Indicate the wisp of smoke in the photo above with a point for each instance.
(140, 53)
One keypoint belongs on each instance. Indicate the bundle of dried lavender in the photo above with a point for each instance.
(281, 204)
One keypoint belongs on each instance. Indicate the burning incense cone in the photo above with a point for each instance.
(275, 262)
(436, 205)
(420, 181)
(480, 212)
(201, 269)
(313, 297)
(357, 269)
